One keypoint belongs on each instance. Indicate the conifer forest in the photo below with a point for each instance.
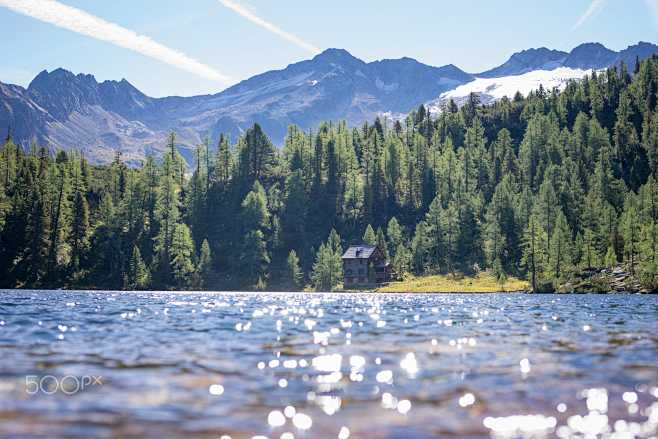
(543, 187)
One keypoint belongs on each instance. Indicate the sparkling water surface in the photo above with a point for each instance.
(292, 365)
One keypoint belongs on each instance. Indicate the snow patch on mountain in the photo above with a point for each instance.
(493, 89)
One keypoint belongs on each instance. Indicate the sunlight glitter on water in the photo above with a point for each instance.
(337, 365)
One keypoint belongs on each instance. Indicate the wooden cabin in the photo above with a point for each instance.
(365, 265)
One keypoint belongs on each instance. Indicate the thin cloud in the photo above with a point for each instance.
(653, 8)
(76, 20)
(241, 10)
(593, 7)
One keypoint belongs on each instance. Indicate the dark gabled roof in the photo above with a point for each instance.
(363, 251)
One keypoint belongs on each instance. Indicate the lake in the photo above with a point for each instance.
(293, 365)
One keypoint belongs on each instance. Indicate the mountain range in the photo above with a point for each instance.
(69, 111)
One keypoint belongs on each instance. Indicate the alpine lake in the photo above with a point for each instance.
(94, 364)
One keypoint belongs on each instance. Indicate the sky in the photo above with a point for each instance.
(173, 47)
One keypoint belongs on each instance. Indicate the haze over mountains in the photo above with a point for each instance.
(70, 111)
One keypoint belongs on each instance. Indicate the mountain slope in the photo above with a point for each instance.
(73, 111)
(493, 89)
(64, 110)
(585, 56)
(333, 85)
(526, 61)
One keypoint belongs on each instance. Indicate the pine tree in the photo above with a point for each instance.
(590, 257)
(369, 237)
(328, 267)
(294, 217)
(451, 227)
(394, 234)
(295, 274)
(534, 252)
(420, 247)
(546, 210)
(167, 214)
(204, 266)
(649, 259)
(79, 237)
(321, 274)
(182, 257)
(610, 259)
(631, 233)
(381, 242)
(499, 273)
(401, 261)
(37, 240)
(137, 276)
(254, 257)
(560, 261)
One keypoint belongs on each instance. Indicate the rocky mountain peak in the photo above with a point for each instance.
(527, 60)
(590, 56)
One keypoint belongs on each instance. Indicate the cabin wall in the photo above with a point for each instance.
(355, 272)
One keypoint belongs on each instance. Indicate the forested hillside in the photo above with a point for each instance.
(543, 187)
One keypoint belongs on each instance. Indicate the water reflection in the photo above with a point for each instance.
(239, 365)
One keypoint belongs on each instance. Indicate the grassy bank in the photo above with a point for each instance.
(481, 283)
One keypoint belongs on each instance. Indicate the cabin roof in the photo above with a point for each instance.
(363, 251)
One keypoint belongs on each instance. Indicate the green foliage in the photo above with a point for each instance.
(560, 258)
(204, 267)
(295, 274)
(537, 187)
(401, 261)
(182, 257)
(369, 237)
(394, 234)
(328, 267)
(381, 242)
(610, 259)
(254, 209)
(137, 275)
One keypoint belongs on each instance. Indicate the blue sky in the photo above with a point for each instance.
(473, 34)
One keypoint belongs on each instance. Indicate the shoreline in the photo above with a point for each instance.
(597, 281)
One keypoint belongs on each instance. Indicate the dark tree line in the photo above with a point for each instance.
(542, 187)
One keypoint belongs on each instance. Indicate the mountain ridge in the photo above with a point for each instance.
(589, 55)
(75, 111)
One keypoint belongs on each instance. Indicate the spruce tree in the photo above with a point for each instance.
(204, 266)
(630, 228)
(369, 237)
(182, 257)
(137, 275)
(381, 242)
(401, 261)
(394, 235)
(294, 272)
(79, 236)
(254, 256)
(561, 248)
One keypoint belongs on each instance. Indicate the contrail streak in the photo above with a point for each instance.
(241, 10)
(76, 20)
(593, 7)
